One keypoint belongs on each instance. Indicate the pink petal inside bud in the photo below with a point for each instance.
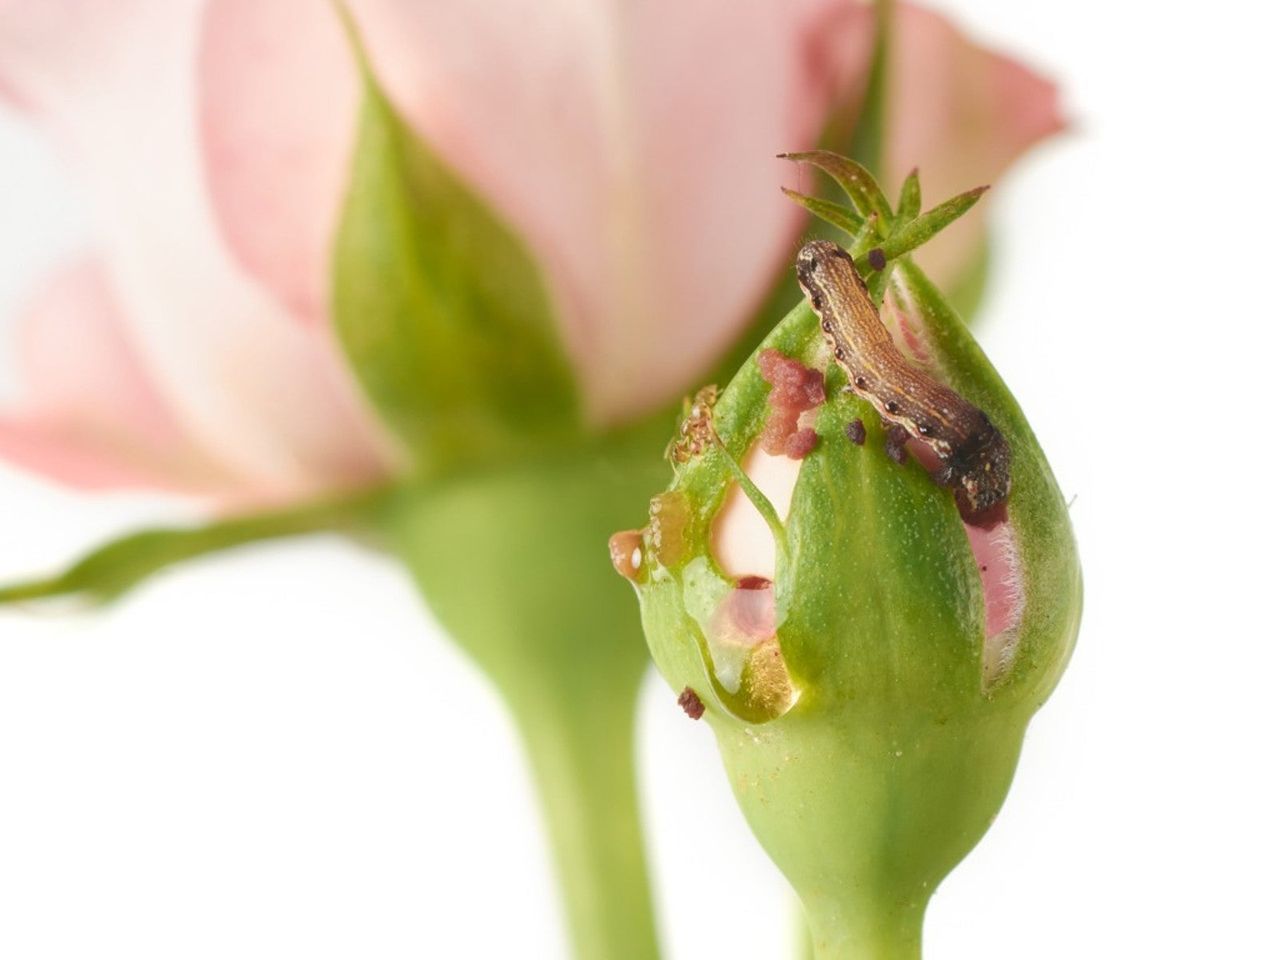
(995, 549)
(906, 334)
(743, 643)
(744, 618)
(741, 541)
(747, 614)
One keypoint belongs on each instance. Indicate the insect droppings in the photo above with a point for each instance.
(801, 443)
(793, 389)
(895, 443)
(691, 704)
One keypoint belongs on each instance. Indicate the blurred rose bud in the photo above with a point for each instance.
(592, 224)
(867, 660)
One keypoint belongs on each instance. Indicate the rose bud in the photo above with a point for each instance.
(869, 625)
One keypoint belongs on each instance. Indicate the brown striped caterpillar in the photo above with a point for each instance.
(973, 456)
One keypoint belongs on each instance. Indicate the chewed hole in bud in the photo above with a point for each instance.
(991, 537)
(626, 550)
(995, 549)
(741, 541)
(907, 336)
(748, 612)
(745, 654)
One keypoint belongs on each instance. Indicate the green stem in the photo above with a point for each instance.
(871, 931)
(583, 764)
(804, 939)
(513, 563)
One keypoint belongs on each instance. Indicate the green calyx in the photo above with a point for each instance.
(443, 314)
(869, 702)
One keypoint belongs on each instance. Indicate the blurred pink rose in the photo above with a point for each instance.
(631, 145)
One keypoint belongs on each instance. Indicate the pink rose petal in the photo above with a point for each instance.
(962, 114)
(90, 416)
(632, 147)
(277, 100)
(268, 398)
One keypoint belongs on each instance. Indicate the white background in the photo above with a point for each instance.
(248, 757)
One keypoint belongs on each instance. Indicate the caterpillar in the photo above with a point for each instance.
(973, 456)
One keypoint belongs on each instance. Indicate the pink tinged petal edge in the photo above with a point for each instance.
(962, 114)
(271, 399)
(629, 145)
(278, 97)
(90, 417)
(649, 142)
(995, 550)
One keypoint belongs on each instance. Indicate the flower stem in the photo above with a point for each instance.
(867, 931)
(583, 764)
(514, 565)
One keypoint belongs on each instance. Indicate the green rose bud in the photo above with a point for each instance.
(869, 683)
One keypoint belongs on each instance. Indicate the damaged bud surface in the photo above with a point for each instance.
(626, 550)
(695, 432)
(795, 388)
(872, 653)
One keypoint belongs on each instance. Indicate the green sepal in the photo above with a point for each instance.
(840, 217)
(881, 624)
(853, 178)
(909, 197)
(117, 567)
(442, 312)
(893, 235)
(907, 236)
